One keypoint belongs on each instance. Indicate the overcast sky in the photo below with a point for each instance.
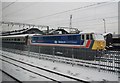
(86, 18)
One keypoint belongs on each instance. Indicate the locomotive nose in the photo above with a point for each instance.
(101, 44)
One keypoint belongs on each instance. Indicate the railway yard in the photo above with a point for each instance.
(81, 58)
(74, 42)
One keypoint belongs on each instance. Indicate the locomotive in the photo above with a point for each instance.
(84, 40)
(81, 43)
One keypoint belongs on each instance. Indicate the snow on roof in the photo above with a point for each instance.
(107, 33)
(87, 32)
(23, 35)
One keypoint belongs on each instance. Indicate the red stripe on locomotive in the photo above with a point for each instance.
(88, 43)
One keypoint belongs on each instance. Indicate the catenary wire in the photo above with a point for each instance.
(19, 10)
(9, 5)
(84, 7)
(65, 11)
(82, 20)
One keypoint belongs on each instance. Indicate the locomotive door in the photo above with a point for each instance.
(88, 38)
(83, 37)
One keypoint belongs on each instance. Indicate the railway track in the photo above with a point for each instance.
(92, 64)
(15, 79)
(102, 65)
(55, 76)
(29, 70)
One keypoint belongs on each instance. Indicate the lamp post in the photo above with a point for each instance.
(104, 26)
(70, 26)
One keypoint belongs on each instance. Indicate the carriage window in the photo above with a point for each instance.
(82, 37)
(18, 39)
(15, 39)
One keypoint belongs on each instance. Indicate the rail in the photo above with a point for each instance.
(16, 80)
(40, 68)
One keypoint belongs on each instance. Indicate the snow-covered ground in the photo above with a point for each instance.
(80, 72)
(5, 77)
(39, 71)
(21, 74)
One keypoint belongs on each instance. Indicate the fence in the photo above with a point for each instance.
(101, 60)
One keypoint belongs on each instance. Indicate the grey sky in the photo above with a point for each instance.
(90, 18)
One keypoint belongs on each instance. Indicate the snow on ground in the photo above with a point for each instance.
(42, 72)
(21, 74)
(5, 77)
(81, 72)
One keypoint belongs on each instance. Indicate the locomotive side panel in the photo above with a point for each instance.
(57, 40)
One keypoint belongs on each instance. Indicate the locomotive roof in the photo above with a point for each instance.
(86, 32)
(56, 35)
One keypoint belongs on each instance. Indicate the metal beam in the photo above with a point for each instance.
(25, 24)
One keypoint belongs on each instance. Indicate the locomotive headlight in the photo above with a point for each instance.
(101, 45)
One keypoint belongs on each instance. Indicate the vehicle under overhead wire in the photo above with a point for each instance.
(82, 46)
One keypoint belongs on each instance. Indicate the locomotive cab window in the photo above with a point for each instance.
(87, 37)
(82, 37)
(91, 36)
(99, 37)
